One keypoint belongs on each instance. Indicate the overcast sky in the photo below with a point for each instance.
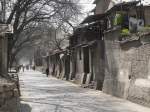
(88, 6)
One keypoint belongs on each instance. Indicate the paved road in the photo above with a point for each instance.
(42, 94)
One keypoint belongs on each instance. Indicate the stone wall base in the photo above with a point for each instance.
(9, 96)
(11, 105)
(140, 94)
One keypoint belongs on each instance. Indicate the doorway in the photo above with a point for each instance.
(86, 63)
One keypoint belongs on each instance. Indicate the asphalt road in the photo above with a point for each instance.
(48, 94)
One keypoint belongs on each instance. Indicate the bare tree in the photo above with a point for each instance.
(26, 15)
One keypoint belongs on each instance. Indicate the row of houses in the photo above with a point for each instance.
(110, 51)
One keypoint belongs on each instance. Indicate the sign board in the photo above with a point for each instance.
(6, 28)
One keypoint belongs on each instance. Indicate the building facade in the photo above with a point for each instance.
(110, 52)
(127, 54)
(87, 59)
(127, 67)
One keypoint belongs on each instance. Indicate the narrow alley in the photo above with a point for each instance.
(42, 94)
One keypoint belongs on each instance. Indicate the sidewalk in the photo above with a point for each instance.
(42, 94)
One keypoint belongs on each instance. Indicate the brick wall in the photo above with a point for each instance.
(127, 69)
(140, 88)
(147, 15)
(8, 97)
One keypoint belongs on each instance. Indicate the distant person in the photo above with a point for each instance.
(23, 68)
(33, 68)
(18, 68)
(47, 71)
(27, 67)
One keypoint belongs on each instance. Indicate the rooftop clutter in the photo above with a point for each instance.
(131, 17)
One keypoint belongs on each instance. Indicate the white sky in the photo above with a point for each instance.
(88, 6)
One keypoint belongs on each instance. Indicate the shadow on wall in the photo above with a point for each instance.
(112, 84)
(110, 81)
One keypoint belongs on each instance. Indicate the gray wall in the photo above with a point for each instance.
(79, 66)
(3, 55)
(103, 5)
(147, 15)
(0, 55)
(127, 69)
(97, 63)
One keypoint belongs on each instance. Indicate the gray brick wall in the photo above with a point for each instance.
(122, 64)
(8, 97)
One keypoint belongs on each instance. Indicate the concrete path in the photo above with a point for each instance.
(42, 94)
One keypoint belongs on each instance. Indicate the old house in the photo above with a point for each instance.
(87, 48)
(112, 51)
(127, 54)
(59, 64)
(87, 52)
(109, 51)
(83, 60)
